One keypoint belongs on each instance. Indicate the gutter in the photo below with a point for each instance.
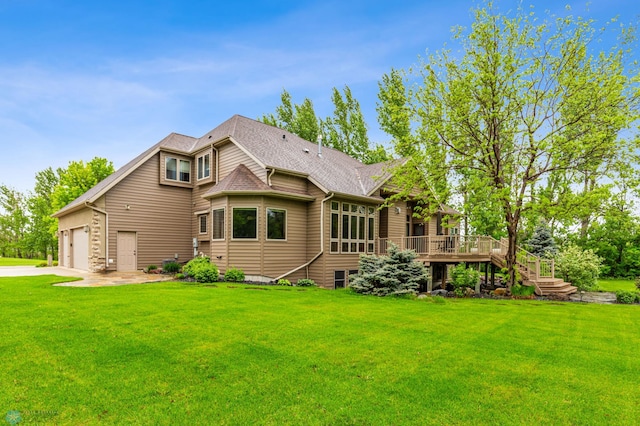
(217, 163)
(106, 230)
(304, 265)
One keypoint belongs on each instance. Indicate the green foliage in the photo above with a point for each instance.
(579, 267)
(78, 178)
(13, 223)
(523, 290)
(637, 282)
(152, 268)
(284, 282)
(626, 297)
(234, 275)
(541, 242)
(201, 269)
(512, 109)
(395, 274)
(180, 276)
(171, 267)
(42, 265)
(345, 131)
(462, 277)
(305, 282)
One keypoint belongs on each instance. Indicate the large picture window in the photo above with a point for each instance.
(245, 223)
(178, 170)
(218, 224)
(204, 166)
(276, 224)
(352, 228)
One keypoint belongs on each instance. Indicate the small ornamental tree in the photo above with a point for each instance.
(541, 242)
(395, 274)
(579, 267)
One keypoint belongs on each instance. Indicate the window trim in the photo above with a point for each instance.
(201, 222)
(266, 228)
(257, 237)
(203, 156)
(179, 162)
(224, 219)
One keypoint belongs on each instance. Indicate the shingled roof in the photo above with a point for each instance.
(332, 170)
(272, 148)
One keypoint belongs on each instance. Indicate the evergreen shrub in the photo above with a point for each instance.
(395, 274)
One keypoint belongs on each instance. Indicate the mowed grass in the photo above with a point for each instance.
(615, 284)
(174, 353)
(12, 261)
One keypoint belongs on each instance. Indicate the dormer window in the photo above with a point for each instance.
(178, 170)
(204, 166)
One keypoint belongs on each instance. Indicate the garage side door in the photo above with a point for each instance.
(126, 245)
(80, 249)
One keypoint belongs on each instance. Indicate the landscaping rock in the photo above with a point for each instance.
(469, 292)
(439, 292)
(500, 292)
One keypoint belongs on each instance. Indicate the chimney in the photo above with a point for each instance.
(319, 145)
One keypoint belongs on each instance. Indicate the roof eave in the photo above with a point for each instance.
(279, 194)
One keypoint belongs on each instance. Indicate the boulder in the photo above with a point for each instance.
(439, 292)
(500, 292)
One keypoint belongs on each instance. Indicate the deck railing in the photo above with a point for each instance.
(530, 266)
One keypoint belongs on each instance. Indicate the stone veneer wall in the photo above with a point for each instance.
(96, 257)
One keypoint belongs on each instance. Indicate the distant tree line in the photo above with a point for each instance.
(27, 229)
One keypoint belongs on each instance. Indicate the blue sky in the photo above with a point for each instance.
(80, 79)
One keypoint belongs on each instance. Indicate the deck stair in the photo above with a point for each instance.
(533, 270)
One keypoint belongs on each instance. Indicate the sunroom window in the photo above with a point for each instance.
(245, 223)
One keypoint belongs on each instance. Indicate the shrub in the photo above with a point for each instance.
(461, 277)
(202, 270)
(234, 275)
(55, 263)
(284, 281)
(306, 282)
(638, 283)
(171, 267)
(395, 274)
(523, 290)
(151, 268)
(579, 267)
(42, 265)
(626, 297)
(180, 276)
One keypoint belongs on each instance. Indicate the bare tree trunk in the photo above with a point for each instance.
(511, 254)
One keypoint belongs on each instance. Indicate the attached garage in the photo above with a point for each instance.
(80, 249)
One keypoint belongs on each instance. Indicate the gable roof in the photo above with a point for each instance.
(174, 142)
(273, 148)
(242, 181)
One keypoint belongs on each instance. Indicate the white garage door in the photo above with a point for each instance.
(80, 249)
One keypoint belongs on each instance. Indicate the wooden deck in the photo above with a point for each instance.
(457, 249)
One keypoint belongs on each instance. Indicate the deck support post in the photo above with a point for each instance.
(430, 280)
(493, 275)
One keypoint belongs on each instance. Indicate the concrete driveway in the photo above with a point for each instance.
(89, 279)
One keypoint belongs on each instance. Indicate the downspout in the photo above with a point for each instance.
(106, 230)
(269, 176)
(304, 265)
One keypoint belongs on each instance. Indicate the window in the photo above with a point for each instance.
(218, 224)
(202, 223)
(204, 166)
(171, 169)
(355, 228)
(245, 223)
(276, 224)
(335, 227)
(338, 279)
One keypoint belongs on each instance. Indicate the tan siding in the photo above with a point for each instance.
(200, 204)
(294, 183)
(231, 157)
(245, 254)
(398, 221)
(283, 256)
(313, 234)
(161, 216)
(218, 248)
(74, 220)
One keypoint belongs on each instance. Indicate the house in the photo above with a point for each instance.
(254, 197)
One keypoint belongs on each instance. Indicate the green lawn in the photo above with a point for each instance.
(615, 284)
(174, 353)
(11, 261)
